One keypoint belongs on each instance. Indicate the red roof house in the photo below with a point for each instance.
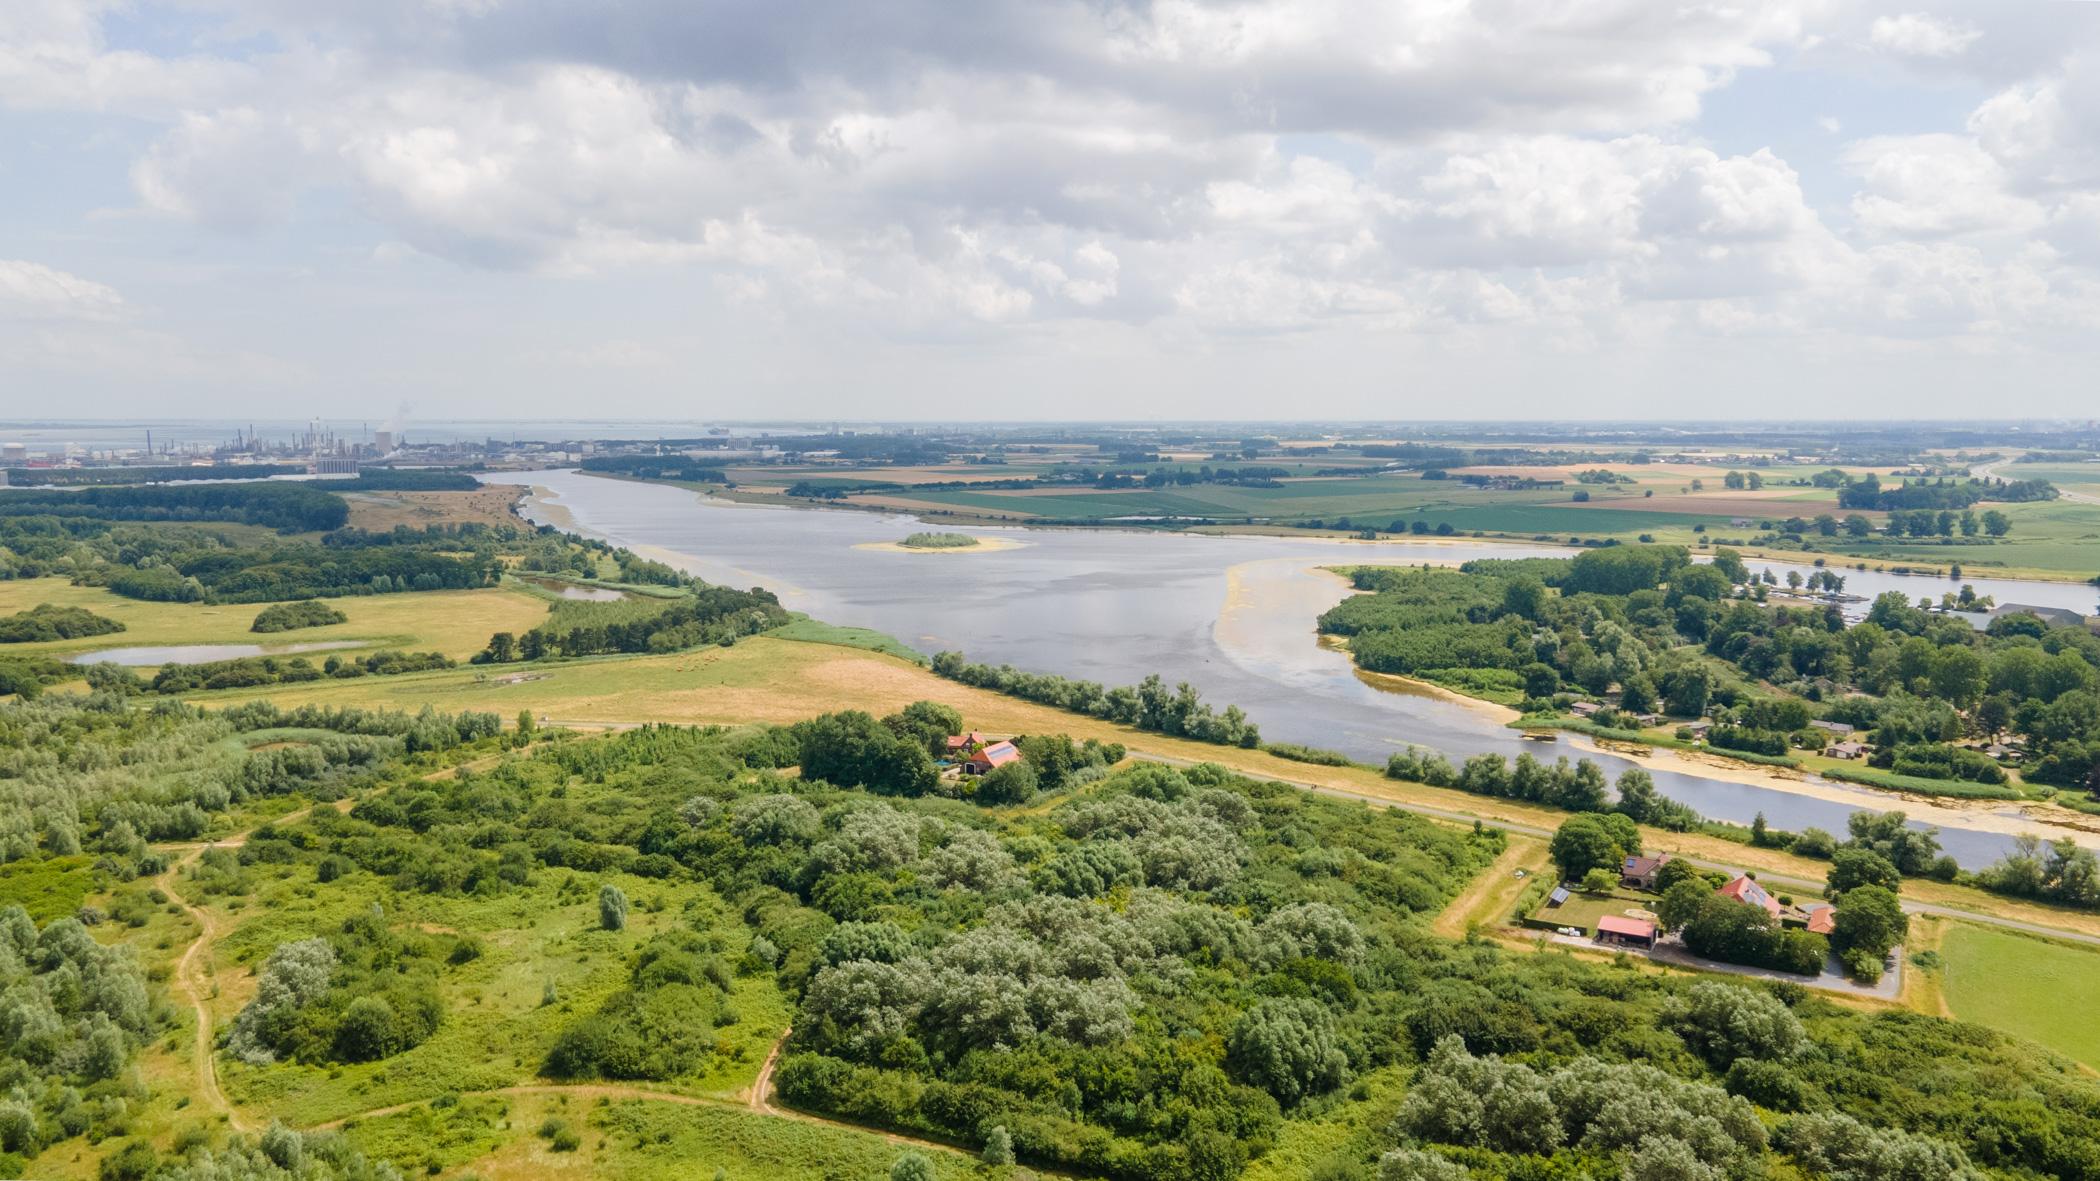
(1822, 920)
(988, 758)
(967, 742)
(1746, 891)
(1640, 871)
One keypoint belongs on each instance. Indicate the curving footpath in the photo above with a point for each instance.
(192, 979)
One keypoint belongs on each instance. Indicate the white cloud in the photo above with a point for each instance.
(1933, 186)
(33, 289)
(1917, 34)
(1495, 176)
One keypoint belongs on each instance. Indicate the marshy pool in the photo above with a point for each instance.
(200, 653)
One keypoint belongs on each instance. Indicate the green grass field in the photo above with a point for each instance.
(457, 623)
(634, 1140)
(816, 631)
(2045, 992)
(497, 1031)
(1583, 909)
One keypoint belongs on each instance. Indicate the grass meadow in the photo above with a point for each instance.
(456, 623)
(2041, 990)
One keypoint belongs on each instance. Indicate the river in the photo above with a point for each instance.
(1233, 616)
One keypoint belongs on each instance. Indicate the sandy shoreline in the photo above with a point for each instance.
(985, 545)
(551, 511)
(2005, 817)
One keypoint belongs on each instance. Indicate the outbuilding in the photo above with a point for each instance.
(1625, 932)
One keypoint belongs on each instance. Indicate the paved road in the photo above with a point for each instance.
(1833, 978)
(1809, 885)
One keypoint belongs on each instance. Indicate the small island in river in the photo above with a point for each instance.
(943, 543)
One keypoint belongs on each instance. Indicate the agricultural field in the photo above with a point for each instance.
(2039, 989)
(456, 623)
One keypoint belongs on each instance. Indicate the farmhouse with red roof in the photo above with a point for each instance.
(986, 759)
(1746, 891)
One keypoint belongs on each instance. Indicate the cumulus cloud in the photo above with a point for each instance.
(1934, 186)
(1917, 34)
(1489, 172)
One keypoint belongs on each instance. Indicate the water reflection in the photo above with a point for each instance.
(1233, 616)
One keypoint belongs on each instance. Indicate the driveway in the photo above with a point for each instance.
(1833, 978)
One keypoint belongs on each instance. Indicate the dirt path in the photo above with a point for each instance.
(192, 976)
(762, 1086)
(1498, 879)
(192, 979)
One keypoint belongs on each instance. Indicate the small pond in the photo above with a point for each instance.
(200, 653)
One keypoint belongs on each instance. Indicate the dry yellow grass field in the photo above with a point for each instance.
(381, 511)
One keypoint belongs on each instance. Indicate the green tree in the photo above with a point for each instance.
(1015, 783)
(1681, 902)
(911, 1166)
(1524, 597)
(1586, 842)
(1958, 675)
(1852, 867)
(999, 1146)
(1725, 1022)
(1288, 1047)
(612, 907)
(1869, 920)
(1996, 524)
(368, 1030)
(1540, 679)
(852, 749)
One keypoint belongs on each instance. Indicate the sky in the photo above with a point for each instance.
(1053, 209)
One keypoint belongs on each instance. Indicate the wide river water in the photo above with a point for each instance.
(1233, 616)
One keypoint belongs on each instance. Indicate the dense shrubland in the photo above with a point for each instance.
(284, 617)
(286, 506)
(1661, 634)
(1162, 974)
(279, 1154)
(199, 544)
(72, 1013)
(363, 992)
(704, 614)
(45, 622)
(250, 671)
(1150, 705)
(89, 774)
(657, 467)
